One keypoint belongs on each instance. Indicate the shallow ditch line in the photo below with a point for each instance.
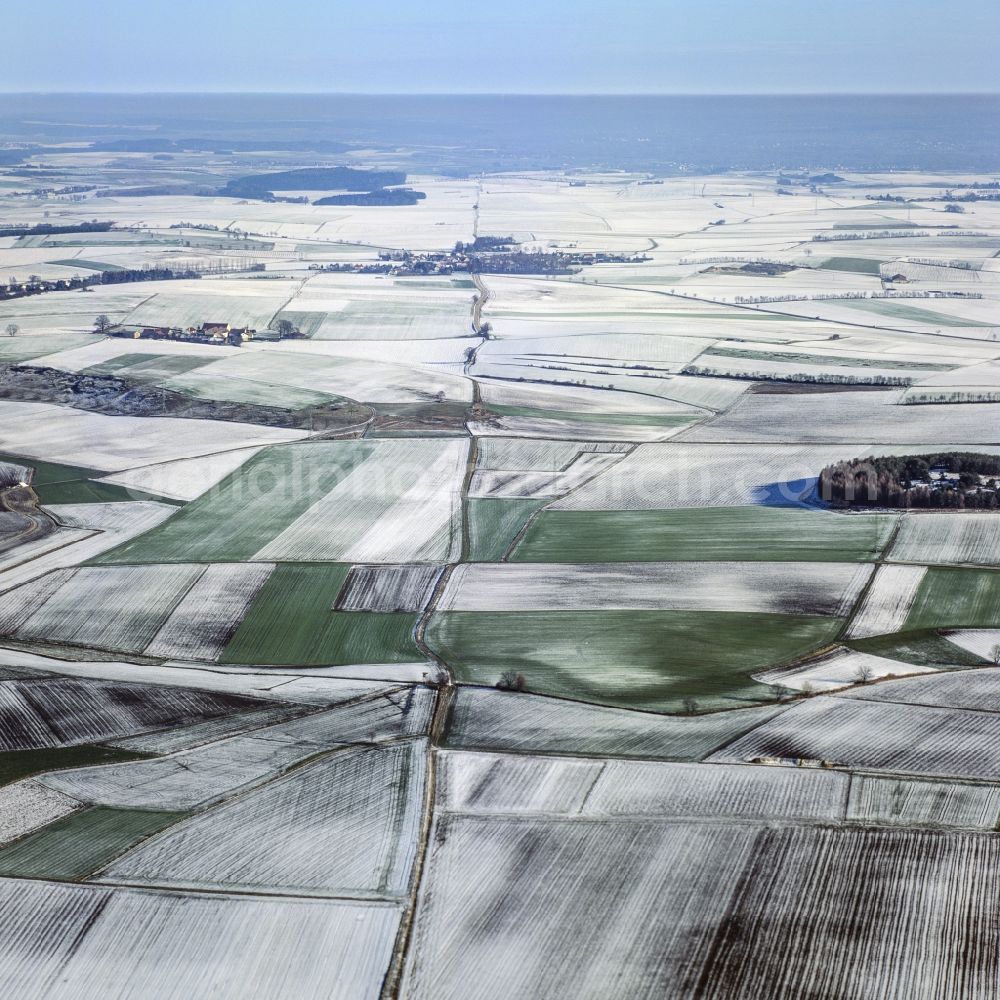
(483, 295)
(439, 721)
(138, 305)
(420, 629)
(291, 298)
(394, 976)
(519, 537)
(878, 563)
(156, 888)
(533, 516)
(5, 588)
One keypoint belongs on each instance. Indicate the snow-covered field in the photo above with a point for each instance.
(773, 587)
(93, 440)
(959, 537)
(888, 601)
(797, 790)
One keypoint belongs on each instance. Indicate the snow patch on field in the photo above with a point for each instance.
(93, 440)
(420, 524)
(888, 601)
(206, 774)
(773, 587)
(984, 642)
(26, 806)
(539, 455)
(97, 527)
(119, 609)
(130, 943)
(862, 417)
(977, 688)
(401, 504)
(318, 687)
(209, 614)
(838, 669)
(346, 824)
(361, 379)
(184, 479)
(484, 784)
(660, 476)
(25, 553)
(904, 802)
(77, 358)
(949, 537)
(493, 483)
(525, 723)
(387, 588)
(854, 732)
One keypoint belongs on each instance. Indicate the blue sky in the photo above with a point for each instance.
(504, 46)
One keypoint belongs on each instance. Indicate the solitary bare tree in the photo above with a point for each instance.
(11, 329)
(103, 325)
(863, 674)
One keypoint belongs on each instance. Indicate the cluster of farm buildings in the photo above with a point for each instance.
(206, 333)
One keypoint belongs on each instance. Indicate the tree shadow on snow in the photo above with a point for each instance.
(789, 493)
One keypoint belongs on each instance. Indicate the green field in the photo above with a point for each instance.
(953, 598)
(55, 483)
(434, 283)
(493, 524)
(924, 648)
(290, 623)
(711, 533)
(17, 764)
(115, 365)
(153, 368)
(212, 385)
(24, 347)
(594, 416)
(180, 373)
(633, 659)
(913, 314)
(248, 508)
(856, 265)
(79, 844)
(87, 265)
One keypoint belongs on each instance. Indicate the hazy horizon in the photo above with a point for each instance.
(562, 47)
(501, 93)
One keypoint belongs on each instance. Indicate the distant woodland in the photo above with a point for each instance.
(47, 229)
(947, 480)
(382, 196)
(263, 186)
